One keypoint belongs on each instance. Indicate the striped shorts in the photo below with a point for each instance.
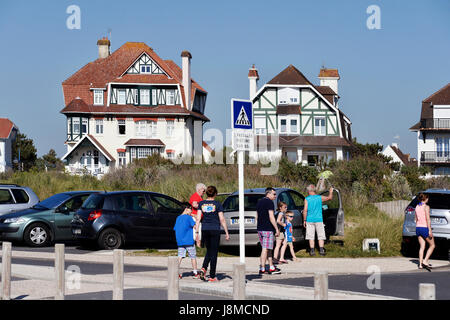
(190, 250)
(266, 239)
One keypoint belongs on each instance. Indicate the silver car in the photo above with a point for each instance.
(439, 202)
(333, 214)
(15, 198)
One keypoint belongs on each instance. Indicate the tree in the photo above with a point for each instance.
(27, 151)
(49, 161)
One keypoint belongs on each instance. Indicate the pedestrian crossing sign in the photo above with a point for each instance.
(241, 114)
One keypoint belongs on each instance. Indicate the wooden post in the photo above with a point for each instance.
(118, 274)
(427, 291)
(239, 281)
(6, 271)
(172, 279)
(59, 271)
(321, 286)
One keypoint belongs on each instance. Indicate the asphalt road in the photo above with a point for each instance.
(402, 285)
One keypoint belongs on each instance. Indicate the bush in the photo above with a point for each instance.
(297, 173)
(412, 175)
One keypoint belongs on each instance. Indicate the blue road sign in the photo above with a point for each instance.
(242, 114)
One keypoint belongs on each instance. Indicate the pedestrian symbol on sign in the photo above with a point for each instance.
(242, 119)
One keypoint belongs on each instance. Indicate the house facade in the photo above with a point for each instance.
(8, 133)
(433, 133)
(307, 118)
(130, 104)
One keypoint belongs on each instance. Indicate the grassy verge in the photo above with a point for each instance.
(166, 253)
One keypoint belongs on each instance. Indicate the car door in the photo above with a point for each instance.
(134, 215)
(63, 216)
(7, 203)
(297, 224)
(166, 211)
(333, 214)
(21, 198)
(297, 228)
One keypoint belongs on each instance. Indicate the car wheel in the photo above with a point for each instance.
(37, 235)
(110, 239)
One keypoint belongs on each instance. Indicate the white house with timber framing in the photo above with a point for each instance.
(307, 118)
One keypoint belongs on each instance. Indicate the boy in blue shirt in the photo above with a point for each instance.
(288, 237)
(184, 233)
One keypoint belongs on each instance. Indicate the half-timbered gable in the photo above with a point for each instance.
(290, 105)
(145, 65)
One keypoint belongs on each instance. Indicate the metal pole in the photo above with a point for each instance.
(118, 274)
(239, 281)
(172, 278)
(6, 271)
(241, 207)
(321, 286)
(59, 271)
(427, 291)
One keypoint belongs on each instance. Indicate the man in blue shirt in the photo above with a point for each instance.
(313, 219)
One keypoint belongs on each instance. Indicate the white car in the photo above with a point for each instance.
(15, 198)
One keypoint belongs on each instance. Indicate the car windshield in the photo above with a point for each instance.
(94, 201)
(53, 201)
(250, 200)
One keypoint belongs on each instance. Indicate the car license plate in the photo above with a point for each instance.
(438, 220)
(76, 231)
(246, 220)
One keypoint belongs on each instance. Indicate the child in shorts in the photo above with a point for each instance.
(184, 232)
(288, 237)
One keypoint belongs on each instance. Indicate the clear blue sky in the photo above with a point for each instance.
(385, 74)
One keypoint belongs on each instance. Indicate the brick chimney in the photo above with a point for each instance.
(253, 78)
(103, 47)
(186, 80)
(330, 78)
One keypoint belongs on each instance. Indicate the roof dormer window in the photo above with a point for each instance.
(146, 68)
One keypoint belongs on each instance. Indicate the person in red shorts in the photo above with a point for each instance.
(194, 200)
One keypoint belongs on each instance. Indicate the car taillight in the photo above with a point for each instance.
(409, 210)
(94, 215)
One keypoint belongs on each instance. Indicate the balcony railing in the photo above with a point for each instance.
(435, 123)
(435, 156)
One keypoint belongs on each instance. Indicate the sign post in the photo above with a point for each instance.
(242, 140)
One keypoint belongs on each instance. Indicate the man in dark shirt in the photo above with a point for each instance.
(267, 229)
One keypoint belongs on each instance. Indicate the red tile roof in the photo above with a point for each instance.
(6, 127)
(145, 142)
(290, 75)
(79, 106)
(328, 73)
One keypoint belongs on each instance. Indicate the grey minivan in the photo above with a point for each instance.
(15, 198)
(333, 214)
(439, 202)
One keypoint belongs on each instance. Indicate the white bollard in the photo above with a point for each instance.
(321, 286)
(239, 281)
(172, 279)
(118, 278)
(6, 271)
(427, 291)
(59, 272)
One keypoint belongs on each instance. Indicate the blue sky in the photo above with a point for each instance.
(385, 74)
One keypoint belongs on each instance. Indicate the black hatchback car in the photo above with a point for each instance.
(110, 219)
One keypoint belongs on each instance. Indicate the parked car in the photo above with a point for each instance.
(45, 222)
(439, 202)
(110, 219)
(333, 214)
(14, 198)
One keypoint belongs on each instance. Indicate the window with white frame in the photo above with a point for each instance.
(170, 99)
(288, 96)
(294, 127)
(154, 97)
(145, 96)
(84, 126)
(121, 96)
(69, 125)
(319, 126)
(76, 125)
(145, 128)
(98, 97)
(283, 125)
(170, 126)
(121, 127)
(99, 126)
(171, 155)
(260, 126)
(146, 68)
(122, 159)
(153, 127)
